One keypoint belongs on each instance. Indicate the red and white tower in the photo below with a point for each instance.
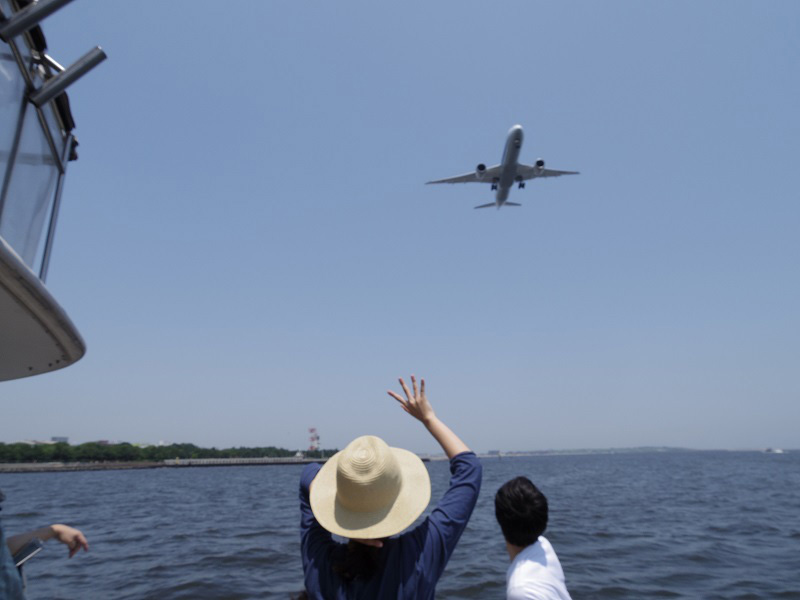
(313, 437)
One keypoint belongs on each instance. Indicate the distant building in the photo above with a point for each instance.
(56, 439)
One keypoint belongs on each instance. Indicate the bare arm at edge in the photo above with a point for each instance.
(65, 534)
(416, 404)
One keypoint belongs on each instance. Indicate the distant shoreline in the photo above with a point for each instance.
(60, 467)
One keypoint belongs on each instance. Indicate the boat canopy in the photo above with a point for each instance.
(36, 144)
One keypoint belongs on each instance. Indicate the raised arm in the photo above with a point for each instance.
(416, 404)
(65, 534)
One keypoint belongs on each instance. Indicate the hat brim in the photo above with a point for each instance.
(411, 501)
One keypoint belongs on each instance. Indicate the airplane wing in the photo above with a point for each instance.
(533, 172)
(489, 175)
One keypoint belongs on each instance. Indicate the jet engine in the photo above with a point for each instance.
(480, 171)
(540, 163)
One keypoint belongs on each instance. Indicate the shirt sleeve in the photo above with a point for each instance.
(518, 593)
(441, 531)
(313, 537)
(306, 516)
(10, 582)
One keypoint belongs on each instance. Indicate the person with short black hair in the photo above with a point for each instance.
(535, 572)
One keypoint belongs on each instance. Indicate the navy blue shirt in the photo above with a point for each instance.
(410, 564)
(10, 582)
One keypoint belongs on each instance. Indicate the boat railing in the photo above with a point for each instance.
(36, 140)
(36, 145)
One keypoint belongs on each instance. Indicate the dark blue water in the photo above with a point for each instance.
(653, 525)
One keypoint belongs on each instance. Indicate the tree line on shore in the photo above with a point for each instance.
(124, 452)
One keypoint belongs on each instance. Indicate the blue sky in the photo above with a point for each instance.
(247, 246)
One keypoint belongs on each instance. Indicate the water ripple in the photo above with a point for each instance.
(628, 526)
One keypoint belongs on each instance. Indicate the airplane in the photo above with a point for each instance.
(509, 171)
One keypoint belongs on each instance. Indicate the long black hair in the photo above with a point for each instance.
(353, 561)
(358, 561)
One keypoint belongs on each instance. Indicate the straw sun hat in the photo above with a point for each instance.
(369, 490)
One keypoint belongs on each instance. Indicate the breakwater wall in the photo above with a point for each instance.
(58, 467)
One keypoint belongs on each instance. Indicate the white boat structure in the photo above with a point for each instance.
(36, 145)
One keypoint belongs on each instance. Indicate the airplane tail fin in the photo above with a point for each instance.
(487, 205)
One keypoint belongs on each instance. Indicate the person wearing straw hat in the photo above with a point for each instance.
(369, 493)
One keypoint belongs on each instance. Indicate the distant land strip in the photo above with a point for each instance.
(53, 467)
(292, 458)
(102, 455)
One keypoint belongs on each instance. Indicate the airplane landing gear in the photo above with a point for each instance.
(494, 186)
(521, 184)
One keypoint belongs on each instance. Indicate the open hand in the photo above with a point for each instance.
(71, 537)
(415, 404)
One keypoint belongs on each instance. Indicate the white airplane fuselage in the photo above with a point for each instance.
(508, 172)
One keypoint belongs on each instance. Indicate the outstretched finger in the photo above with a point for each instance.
(422, 387)
(405, 389)
(414, 385)
(396, 397)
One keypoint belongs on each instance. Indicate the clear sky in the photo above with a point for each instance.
(248, 249)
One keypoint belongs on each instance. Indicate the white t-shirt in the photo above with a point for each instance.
(536, 574)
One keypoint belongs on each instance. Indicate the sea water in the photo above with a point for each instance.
(625, 525)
